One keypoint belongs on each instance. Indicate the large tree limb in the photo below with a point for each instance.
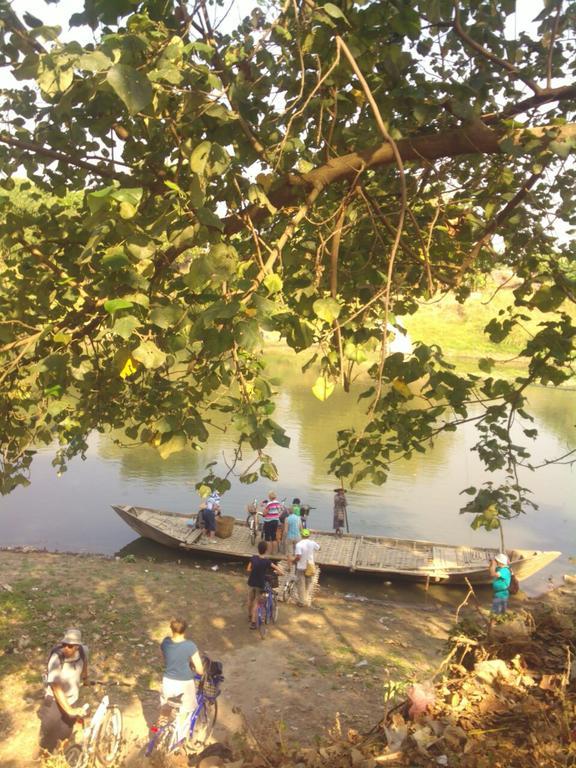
(473, 139)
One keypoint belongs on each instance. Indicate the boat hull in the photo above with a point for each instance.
(391, 559)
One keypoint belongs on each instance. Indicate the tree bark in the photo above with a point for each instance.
(473, 139)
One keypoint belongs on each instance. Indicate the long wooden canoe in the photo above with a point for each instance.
(391, 558)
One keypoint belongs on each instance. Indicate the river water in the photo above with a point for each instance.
(421, 499)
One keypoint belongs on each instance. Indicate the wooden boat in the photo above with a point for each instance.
(423, 561)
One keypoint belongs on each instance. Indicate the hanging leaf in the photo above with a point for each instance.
(327, 309)
(323, 388)
(131, 86)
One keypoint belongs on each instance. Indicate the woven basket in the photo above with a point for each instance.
(211, 687)
(224, 526)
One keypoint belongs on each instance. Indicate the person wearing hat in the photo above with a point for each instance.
(305, 566)
(501, 577)
(67, 668)
(339, 510)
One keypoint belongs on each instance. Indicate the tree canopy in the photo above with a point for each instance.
(172, 191)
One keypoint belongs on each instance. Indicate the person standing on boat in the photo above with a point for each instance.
(501, 578)
(209, 513)
(272, 510)
(340, 505)
(292, 531)
(305, 566)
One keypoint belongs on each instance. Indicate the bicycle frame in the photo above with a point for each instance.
(183, 729)
(90, 731)
(266, 606)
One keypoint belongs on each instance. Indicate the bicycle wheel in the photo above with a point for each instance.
(75, 756)
(274, 610)
(252, 533)
(203, 727)
(261, 621)
(109, 737)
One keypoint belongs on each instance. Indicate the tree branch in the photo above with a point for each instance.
(504, 214)
(473, 139)
(39, 149)
(485, 53)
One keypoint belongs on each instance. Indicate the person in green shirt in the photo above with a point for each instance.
(501, 578)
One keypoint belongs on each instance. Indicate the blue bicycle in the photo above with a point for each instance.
(267, 612)
(193, 731)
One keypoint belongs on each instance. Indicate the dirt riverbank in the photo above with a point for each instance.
(317, 665)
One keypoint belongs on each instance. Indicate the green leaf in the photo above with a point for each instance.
(52, 77)
(94, 62)
(131, 86)
(115, 258)
(165, 317)
(113, 305)
(127, 211)
(323, 388)
(486, 364)
(548, 298)
(269, 470)
(355, 353)
(149, 355)
(333, 11)
(248, 334)
(327, 309)
(125, 326)
(199, 157)
(273, 283)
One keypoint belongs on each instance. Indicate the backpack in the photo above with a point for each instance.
(57, 649)
(514, 587)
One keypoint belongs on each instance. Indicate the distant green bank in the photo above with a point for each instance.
(459, 330)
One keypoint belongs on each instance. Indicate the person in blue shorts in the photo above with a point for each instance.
(501, 578)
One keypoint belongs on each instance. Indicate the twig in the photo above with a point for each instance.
(463, 35)
(401, 216)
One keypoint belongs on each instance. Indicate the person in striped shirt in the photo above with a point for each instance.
(272, 510)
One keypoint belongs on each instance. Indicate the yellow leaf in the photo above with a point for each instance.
(129, 369)
(402, 388)
(323, 388)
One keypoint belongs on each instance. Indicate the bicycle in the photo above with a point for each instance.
(267, 612)
(194, 730)
(289, 589)
(254, 521)
(101, 738)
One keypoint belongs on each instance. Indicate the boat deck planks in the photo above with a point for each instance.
(417, 560)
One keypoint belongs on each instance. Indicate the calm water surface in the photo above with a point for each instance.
(420, 500)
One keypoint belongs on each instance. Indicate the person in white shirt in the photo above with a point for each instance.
(67, 668)
(305, 566)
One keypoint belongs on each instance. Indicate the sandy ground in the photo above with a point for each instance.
(315, 668)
